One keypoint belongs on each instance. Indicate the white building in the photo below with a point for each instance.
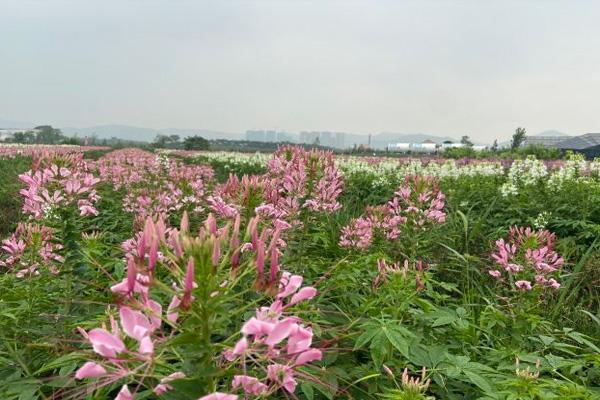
(427, 147)
(399, 147)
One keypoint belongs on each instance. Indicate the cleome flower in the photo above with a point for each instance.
(417, 204)
(273, 338)
(528, 256)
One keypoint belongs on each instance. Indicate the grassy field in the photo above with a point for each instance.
(137, 275)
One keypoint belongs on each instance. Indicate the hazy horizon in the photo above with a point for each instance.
(437, 67)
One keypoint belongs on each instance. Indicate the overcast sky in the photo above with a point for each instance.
(442, 67)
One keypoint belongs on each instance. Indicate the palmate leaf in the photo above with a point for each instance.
(379, 348)
(398, 340)
(365, 338)
(383, 336)
(583, 339)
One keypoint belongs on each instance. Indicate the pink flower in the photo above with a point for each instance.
(188, 283)
(494, 273)
(299, 340)
(528, 253)
(306, 293)
(105, 343)
(124, 394)
(90, 370)
(281, 331)
(283, 375)
(256, 327)
(241, 346)
(164, 386)
(289, 284)
(135, 324)
(523, 285)
(219, 396)
(153, 254)
(309, 356)
(87, 210)
(172, 314)
(358, 234)
(553, 283)
(513, 268)
(250, 385)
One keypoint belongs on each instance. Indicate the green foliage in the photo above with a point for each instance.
(450, 318)
(196, 143)
(10, 200)
(518, 138)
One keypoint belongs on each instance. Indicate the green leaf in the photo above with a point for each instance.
(378, 348)
(582, 339)
(480, 381)
(365, 338)
(308, 390)
(398, 341)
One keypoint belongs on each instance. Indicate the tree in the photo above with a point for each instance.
(195, 143)
(174, 139)
(518, 138)
(46, 134)
(495, 146)
(167, 141)
(466, 141)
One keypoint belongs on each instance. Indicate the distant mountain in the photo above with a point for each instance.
(7, 124)
(127, 132)
(552, 132)
(107, 131)
(137, 133)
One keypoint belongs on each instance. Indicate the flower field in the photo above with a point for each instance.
(127, 274)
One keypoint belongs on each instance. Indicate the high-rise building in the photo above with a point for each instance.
(271, 136)
(326, 139)
(255, 136)
(340, 140)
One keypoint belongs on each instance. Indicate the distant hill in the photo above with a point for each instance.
(7, 124)
(128, 132)
(552, 132)
(140, 134)
(137, 133)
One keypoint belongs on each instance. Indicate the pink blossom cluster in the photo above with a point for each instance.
(29, 248)
(359, 233)
(32, 150)
(266, 246)
(50, 188)
(155, 185)
(296, 179)
(419, 200)
(279, 341)
(235, 194)
(141, 316)
(528, 258)
(124, 167)
(416, 204)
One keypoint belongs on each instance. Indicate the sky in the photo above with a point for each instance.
(479, 68)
